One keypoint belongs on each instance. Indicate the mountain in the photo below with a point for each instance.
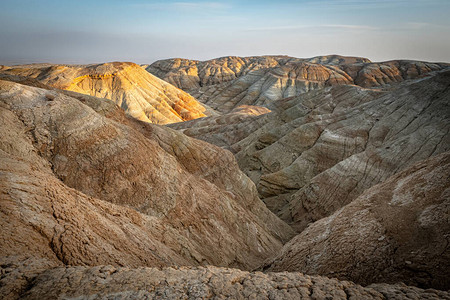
(84, 184)
(228, 82)
(191, 74)
(142, 95)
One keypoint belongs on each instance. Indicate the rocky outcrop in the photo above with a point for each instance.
(83, 184)
(140, 94)
(395, 231)
(337, 60)
(104, 282)
(229, 82)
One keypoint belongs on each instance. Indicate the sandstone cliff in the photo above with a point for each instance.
(228, 82)
(395, 231)
(140, 94)
(83, 184)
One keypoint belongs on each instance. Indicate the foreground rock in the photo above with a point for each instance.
(140, 94)
(105, 282)
(395, 231)
(228, 82)
(83, 184)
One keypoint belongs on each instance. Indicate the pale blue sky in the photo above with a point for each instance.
(144, 31)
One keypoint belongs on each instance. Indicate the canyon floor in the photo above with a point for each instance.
(268, 177)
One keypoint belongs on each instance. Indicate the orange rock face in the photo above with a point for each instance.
(140, 94)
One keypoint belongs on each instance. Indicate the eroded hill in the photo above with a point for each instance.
(361, 172)
(142, 95)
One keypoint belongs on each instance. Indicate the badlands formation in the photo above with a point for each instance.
(321, 178)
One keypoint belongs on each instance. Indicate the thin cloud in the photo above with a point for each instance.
(419, 26)
(346, 26)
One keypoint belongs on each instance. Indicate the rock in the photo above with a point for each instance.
(83, 184)
(228, 82)
(395, 231)
(104, 282)
(337, 60)
(140, 94)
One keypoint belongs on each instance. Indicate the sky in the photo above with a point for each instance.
(145, 31)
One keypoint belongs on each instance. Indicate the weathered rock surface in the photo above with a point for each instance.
(106, 282)
(140, 94)
(83, 184)
(228, 82)
(395, 231)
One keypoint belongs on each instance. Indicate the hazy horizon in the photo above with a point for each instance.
(145, 31)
